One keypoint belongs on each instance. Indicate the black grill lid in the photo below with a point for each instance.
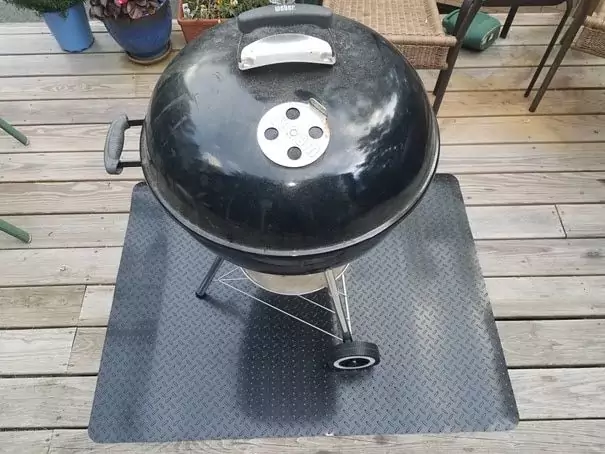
(210, 154)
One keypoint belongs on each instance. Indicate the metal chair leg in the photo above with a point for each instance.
(464, 9)
(11, 130)
(468, 11)
(549, 49)
(509, 21)
(15, 232)
(201, 291)
(565, 45)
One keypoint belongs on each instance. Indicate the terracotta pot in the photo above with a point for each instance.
(192, 28)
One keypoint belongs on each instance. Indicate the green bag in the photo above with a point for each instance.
(481, 34)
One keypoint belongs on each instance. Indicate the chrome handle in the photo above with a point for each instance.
(286, 48)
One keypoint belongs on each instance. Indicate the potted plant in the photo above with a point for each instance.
(196, 16)
(66, 20)
(141, 27)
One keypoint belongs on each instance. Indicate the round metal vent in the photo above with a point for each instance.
(294, 134)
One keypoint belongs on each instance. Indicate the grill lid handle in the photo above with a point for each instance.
(284, 15)
(285, 47)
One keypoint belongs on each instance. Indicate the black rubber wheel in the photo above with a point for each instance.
(355, 356)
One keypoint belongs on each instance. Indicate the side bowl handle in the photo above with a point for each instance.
(114, 145)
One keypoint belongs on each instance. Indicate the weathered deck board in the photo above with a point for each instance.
(522, 133)
(458, 159)
(525, 129)
(481, 189)
(456, 103)
(525, 343)
(542, 257)
(90, 230)
(499, 258)
(583, 221)
(515, 222)
(76, 87)
(59, 266)
(25, 442)
(559, 393)
(66, 401)
(75, 65)
(68, 197)
(35, 351)
(34, 307)
(553, 342)
(542, 19)
(65, 138)
(85, 355)
(547, 297)
(503, 103)
(25, 167)
(533, 188)
(43, 42)
(96, 305)
(72, 230)
(521, 157)
(97, 112)
(117, 63)
(495, 78)
(526, 297)
(46, 402)
(80, 111)
(549, 437)
(37, 90)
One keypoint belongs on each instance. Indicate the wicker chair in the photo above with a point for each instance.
(414, 27)
(591, 40)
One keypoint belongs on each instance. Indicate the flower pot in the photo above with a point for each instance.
(192, 28)
(145, 40)
(70, 28)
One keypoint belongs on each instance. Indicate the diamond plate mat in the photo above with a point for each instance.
(177, 368)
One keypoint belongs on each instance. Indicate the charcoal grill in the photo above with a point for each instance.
(289, 142)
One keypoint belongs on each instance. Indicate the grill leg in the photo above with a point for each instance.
(201, 291)
(343, 320)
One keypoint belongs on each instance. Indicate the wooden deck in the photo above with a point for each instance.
(534, 186)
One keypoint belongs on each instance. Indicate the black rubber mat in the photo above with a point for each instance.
(178, 368)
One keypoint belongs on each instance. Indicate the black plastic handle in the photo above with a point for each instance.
(284, 15)
(114, 145)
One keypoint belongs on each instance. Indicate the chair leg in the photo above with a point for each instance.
(15, 232)
(549, 49)
(468, 11)
(509, 21)
(565, 45)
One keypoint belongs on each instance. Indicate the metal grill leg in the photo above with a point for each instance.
(201, 291)
(338, 306)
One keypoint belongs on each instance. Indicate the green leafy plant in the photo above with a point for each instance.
(45, 6)
(133, 9)
(218, 9)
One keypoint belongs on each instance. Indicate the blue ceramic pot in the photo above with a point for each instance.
(70, 28)
(144, 39)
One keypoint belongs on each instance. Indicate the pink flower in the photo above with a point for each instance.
(120, 2)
